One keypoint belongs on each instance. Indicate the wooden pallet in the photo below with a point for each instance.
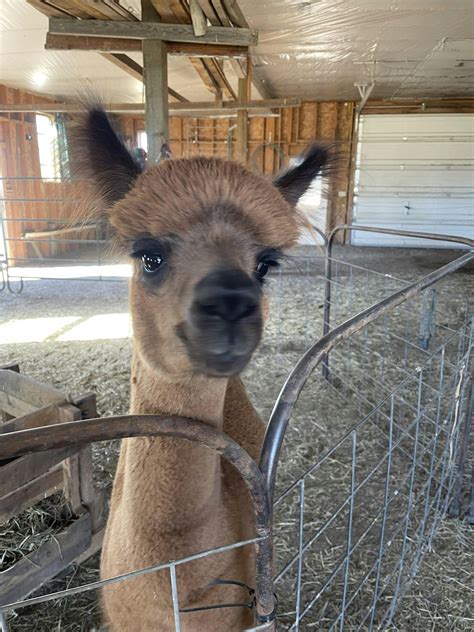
(27, 403)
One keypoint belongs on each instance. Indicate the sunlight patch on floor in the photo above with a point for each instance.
(100, 327)
(33, 329)
(65, 329)
(119, 270)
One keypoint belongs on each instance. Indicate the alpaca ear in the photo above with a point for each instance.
(295, 180)
(101, 156)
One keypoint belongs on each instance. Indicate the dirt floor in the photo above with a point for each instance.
(72, 354)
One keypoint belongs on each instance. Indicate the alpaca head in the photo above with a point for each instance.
(202, 234)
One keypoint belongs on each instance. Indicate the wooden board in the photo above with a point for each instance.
(30, 493)
(20, 395)
(22, 470)
(48, 560)
(153, 30)
(46, 416)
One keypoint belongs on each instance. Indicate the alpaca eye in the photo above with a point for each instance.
(151, 261)
(261, 269)
(267, 259)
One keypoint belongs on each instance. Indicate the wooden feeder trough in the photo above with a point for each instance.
(24, 481)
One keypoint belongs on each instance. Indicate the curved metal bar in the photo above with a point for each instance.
(295, 382)
(86, 431)
(261, 148)
(10, 288)
(321, 234)
(369, 229)
(2, 270)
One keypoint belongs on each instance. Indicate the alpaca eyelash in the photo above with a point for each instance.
(271, 257)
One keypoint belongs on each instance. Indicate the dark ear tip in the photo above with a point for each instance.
(320, 156)
(316, 160)
(101, 155)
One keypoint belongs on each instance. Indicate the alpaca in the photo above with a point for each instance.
(202, 234)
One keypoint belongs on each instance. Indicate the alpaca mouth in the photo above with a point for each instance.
(224, 364)
(216, 355)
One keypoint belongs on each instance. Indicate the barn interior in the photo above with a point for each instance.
(389, 88)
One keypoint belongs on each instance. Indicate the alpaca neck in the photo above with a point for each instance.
(178, 481)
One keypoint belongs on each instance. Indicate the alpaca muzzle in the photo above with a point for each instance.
(225, 322)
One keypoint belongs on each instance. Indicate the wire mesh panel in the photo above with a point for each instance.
(374, 474)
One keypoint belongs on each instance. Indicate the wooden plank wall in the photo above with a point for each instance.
(25, 194)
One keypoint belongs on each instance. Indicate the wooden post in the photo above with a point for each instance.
(155, 69)
(242, 116)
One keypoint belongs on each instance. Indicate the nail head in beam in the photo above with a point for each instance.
(153, 31)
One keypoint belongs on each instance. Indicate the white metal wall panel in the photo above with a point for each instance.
(414, 172)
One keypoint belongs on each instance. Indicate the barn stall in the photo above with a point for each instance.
(391, 152)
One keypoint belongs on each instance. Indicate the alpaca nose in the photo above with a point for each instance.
(230, 295)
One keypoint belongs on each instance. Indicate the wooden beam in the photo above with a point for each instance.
(242, 120)
(152, 31)
(139, 107)
(32, 492)
(94, 44)
(126, 63)
(124, 45)
(155, 67)
(134, 69)
(198, 18)
(207, 50)
(235, 14)
(214, 69)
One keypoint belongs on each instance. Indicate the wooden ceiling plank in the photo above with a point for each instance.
(209, 12)
(221, 13)
(234, 12)
(162, 7)
(200, 67)
(48, 10)
(198, 18)
(221, 78)
(121, 12)
(72, 7)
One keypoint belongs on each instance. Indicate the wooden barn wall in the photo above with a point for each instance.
(25, 194)
(272, 141)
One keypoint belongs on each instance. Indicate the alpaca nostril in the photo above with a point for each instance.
(229, 307)
(249, 310)
(226, 295)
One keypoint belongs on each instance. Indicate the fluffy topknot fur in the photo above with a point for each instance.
(169, 197)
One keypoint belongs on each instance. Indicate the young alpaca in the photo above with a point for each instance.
(202, 234)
